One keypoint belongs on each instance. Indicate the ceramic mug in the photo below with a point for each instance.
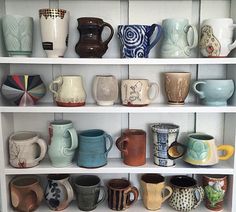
(120, 189)
(137, 92)
(154, 187)
(177, 85)
(70, 91)
(26, 193)
(214, 92)
(202, 150)
(88, 189)
(132, 145)
(54, 24)
(175, 42)
(217, 37)
(24, 151)
(18, 35)
(136, 39)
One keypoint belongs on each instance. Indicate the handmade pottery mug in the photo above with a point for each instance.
(88, 189)
(59, 192)
(90, 43)
(202, 150)
(26, 193)
(54, 24)
(215, 187)
(120, 189)
(154, 187)
(166, 147)
(136, 39)
(105, 89)
(24, 151)
(23, 90)
(214, 92)
(186, 194)
(18, 35)
(177, 85)
(137, 92)
(175, 42)
(70, 91)
(132, 145)
(217, 37)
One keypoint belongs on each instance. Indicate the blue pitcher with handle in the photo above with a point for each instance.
(63, 142)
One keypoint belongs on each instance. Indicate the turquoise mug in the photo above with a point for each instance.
(214, 92)
(92, 150)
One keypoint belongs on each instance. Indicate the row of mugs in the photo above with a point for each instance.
(183, 192)
(26, 90)
(216, 36)
(90, 147)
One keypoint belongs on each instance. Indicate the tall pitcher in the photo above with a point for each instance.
(63, 142)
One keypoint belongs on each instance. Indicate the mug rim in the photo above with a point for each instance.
(60, 122)
(58, 176)
(85, 179)
(174, 127)
(89, 17)
(52, 9)
(118, 188)
(18, 178)
(217, 19)
(137, 25)
(104, 75)
(207, 136)
(33, 134)
(151, 178)
(18, 16)
(134, 80)
(215, 176)
(22, 75)
(134, 132)
(98, 131)
(179, 72)
(193, 182)
(216, 80)
(177, 19)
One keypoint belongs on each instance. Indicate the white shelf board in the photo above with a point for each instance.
(117, 61)
(93, 108)
(115, 165)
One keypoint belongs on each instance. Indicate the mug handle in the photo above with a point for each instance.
(168, 188)
(58, 82)
(37, 189)
(135, 192)
(200, 192)
(104, 195)
(200, 93)
(158, 37)
(111, 34)
(195, 36)
(69, 191)
(157, 89)
(229, 151)
(174, 145)
(43, 149)
(232, 45)
(119, 143)
(111, 142)
(74, 141)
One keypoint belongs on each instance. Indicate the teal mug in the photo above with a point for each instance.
(214, 92)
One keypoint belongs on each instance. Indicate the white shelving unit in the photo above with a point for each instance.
(217, 121)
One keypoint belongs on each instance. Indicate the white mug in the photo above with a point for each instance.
(137, 92)
(70, 91)
(217, 37)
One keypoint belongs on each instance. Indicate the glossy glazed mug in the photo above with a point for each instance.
(214, 92)
(217, 37)
(132, 145)
(88, 189)
(138, 92)
(24, 151)
(136, 39)
(202, 150)
(175, 42)
(154, 187)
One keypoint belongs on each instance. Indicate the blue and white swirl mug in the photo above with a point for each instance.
(135, 39)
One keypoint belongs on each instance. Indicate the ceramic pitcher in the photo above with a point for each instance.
(63, 142)
(70, 91)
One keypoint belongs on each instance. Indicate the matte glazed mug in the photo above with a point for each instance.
(175, 42)
(120, 189)
(202, 150)
(154, 187)
(24, 151)
(88, 189)
(214, 92)
(132, 145)
(93, 151)
(136, 39)
(18, 35)
(26, 193)
(217, 37)
(138, 92)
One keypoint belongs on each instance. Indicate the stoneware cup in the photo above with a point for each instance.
(132, 145)
(215, 187)
(88, 189)
(154, 187)
(120, 189)
(18, 35)
(138, 92)
(54, 24)
(214, 92)
(217, 37)
(177, 85)
(26, 193)
(26, 149)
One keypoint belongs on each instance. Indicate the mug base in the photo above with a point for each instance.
(217, 56)
(61, 165)
(164, 166)
(19, 53)
(91, 167)
(176, 103)
(135, 164)
(70, 104)
(27, 166)
(105, 103)
(214, 103)
(135, 105)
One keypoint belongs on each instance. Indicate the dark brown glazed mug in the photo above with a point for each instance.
(132, 144)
